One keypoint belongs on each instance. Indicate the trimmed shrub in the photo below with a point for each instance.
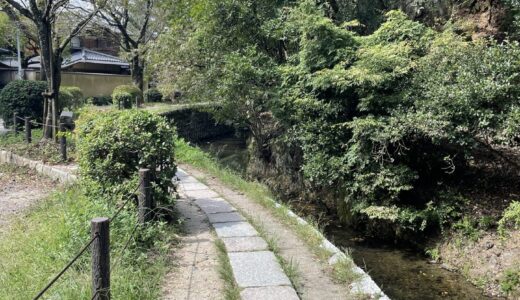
(153, 95)
(125, 95)
(23, 97)
(100, 100)
(71, 97)
(112, 146)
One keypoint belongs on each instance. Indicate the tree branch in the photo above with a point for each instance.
(24, 11)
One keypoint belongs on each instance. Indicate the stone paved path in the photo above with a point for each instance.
(195, 259)
(256, 269)
(314, 275)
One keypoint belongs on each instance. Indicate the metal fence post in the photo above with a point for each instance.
(15, 123)
(145, 197)
(100, 227)
(28, 137)
(63, 143)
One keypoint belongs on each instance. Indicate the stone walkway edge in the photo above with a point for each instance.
(7, 157)
(256, 269)
(248, 254)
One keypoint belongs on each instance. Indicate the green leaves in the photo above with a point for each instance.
(113, 146)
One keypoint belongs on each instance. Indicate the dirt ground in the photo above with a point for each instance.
(20, 188)
(485, 261)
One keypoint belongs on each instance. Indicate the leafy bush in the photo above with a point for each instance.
(100, 100)
(153, 95)
(113, 146)
(510, 218)
(23, 97)
(71, 97)
(510, 281)
(125, 96)
(382, 125)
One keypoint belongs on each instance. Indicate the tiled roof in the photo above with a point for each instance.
(88, 56)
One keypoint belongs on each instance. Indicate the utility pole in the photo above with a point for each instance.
(20, 75)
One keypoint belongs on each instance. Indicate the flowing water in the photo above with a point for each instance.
(402, 274)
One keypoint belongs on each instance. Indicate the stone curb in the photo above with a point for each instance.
(365, 284)
(7, 157)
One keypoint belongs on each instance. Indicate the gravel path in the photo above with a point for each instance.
(20, 188)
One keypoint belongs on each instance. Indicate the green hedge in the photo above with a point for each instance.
(125, 95)
(23, 97)
(153, 95)
(100, 100)
(71, 97)
(112, 146)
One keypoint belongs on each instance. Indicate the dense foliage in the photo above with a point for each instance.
(23, 97)
(113, 146)
(385, 122)
(125, 96)
(99, 100)
(153, 95)
(71, 97)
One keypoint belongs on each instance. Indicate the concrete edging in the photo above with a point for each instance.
(365, 284)
(7, 157)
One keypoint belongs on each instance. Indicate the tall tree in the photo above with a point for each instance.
(45, 15)
(138, 22)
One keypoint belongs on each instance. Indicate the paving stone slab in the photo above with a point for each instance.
(214, 205)
(202, 194)
(269, 293)
(257, 269)
(193, 186)
(234, 229)
(225, 217)
(245, 244)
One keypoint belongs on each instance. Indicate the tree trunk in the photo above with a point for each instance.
(51, 67)
(138, 71)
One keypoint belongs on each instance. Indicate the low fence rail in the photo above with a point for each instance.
(99, 242)
(28, 126)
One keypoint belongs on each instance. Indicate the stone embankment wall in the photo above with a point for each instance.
(194, 124)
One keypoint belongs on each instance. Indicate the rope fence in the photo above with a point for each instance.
(99, 243)
(28, 132)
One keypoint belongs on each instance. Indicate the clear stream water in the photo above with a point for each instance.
(402, 274)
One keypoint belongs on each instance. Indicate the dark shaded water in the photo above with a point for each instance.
(402, 274)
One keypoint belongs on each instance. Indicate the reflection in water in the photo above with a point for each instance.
(403, 275)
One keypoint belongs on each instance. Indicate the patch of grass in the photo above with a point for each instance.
(40, 149)
(510, 281)
(310, 232)
(344, 271)
(433, 253)
(469, 228)
(231, 291)
(510, 219)
(37, 246)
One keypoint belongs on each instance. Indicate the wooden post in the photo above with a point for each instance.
(15, 123)
(28, 137)
(63, 143)
(100, 228)
(145, 197)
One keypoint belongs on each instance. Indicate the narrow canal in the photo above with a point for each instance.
(402, 274)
